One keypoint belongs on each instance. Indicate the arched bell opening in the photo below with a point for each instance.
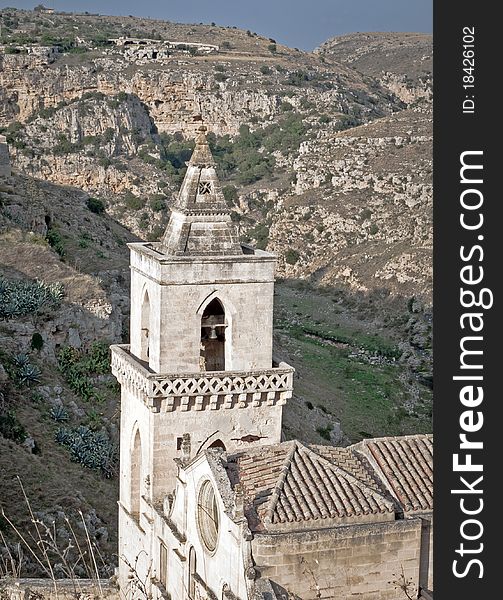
(145, 328)
(212, 354)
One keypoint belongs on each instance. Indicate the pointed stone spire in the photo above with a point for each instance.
(200, 222)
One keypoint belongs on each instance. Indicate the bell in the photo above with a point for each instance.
(213, 334)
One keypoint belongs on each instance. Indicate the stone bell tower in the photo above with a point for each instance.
(200, 359)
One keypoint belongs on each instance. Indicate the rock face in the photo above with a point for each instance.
(350, 205)
(402, 62)
(362, 207)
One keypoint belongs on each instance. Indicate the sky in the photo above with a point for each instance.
(300, 24)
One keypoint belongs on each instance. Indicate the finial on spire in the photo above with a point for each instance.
(201, 135)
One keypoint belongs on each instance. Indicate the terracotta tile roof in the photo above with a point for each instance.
(406, 465)
(291, 483)
(355, 464)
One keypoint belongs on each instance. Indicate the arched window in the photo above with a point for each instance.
(212, 357)
(192, 572)
(163, 564)
(217, 444)
(145, 327)
(136, 474)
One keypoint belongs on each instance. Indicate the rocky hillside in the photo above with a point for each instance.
(325, 158)
(119, 126)
(402, 62)
(64, 281)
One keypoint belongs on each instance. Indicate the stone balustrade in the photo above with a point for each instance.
(203, 390)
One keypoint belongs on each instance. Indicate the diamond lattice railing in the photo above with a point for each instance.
(274, 383)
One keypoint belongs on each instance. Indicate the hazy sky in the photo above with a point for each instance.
(297, 23)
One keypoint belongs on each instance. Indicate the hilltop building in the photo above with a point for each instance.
(213, 503)
(143, 50)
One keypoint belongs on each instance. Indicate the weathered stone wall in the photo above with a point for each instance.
(426, 566)
(346, 562)
(62, 589)
(5, 170)
(133, 540)
(227, 425)
(179, 290)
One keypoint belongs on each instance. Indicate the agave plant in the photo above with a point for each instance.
(19, 298)
(58, 413)
(21, 360)
(28, 374)
(63, 436)
(92, 449)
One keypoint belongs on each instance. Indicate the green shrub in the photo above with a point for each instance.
(273, 48)
(261, 234)
(11, 428)
(156, 233)
(324, 119)
(297, 78)
(108, 135)
(94, 419)
(175, 152)
(324, 432)
(265, 70)
(307, 104)
(291, 256)
(365, 214)
(230, 193)
(221, 77)
(157, 202)
(105, 162)
(373, 229)
(134, 202)
(347, 122)
(77, 366)
(95, 205)
(55, 241)
(83, 242)
(64, 146)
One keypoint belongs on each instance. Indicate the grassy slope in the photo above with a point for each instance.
(367, 399)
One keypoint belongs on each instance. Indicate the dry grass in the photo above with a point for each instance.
(36, 261)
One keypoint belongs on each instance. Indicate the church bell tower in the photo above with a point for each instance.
(200, 358)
